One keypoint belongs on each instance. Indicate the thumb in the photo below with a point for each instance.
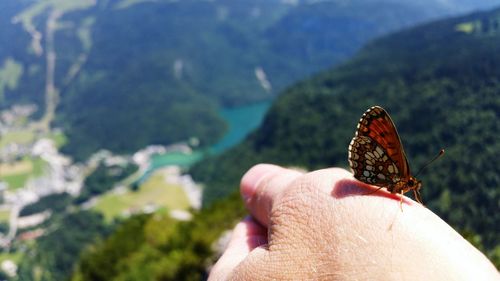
(247, 235)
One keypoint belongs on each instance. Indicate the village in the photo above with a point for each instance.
(31, 168)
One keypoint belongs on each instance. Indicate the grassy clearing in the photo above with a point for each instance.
(15, 181)
(38, 166)
(10, 73)
(17, 174)
(4, 216)
(59, 139)
(20, 167)
(466, 27)
(154, 191)
(15, 257)
(19, 137)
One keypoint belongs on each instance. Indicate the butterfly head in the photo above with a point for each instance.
(413, 184)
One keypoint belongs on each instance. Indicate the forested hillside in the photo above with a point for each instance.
(440, 84)
(130, 73)
(156, 247)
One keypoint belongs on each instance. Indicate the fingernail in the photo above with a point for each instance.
(251, 179)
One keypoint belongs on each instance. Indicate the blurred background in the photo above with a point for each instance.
(125, 125)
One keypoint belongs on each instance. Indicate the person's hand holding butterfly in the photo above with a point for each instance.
(322, 226)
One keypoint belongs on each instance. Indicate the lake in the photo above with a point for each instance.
(241, 121)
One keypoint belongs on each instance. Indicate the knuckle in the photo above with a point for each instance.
(300, 195)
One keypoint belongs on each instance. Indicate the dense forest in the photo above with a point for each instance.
(156, 247)
(55, 253)
(103, 179)
(440, 84)
(157, 72)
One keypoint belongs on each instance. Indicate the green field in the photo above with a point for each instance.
(59, 139)
(19, 137)
(153, 191)
(15, 257)
(17, 174)
(466, 27)
(10, 73)
(4, 216)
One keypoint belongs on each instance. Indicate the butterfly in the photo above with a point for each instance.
(376, 155)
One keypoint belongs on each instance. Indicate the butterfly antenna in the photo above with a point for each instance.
(441, 153)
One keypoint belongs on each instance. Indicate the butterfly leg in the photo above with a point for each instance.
(417, 196)
(371, 192)
(401, 200)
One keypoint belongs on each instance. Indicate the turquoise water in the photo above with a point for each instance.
(176, 158)
(183, 160)
(241, 121)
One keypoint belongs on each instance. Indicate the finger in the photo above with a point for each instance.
(261, 185)
(247, 235)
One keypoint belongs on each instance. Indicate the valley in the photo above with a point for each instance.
(33, 168)
(126, 125)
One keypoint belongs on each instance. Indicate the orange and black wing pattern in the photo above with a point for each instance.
(376, 154)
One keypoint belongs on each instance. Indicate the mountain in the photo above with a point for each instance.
(124, 74)
(412, 73)
(467, 5)
(440, 84)
(325, 33)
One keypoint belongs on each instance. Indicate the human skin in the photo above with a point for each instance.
(322, 226)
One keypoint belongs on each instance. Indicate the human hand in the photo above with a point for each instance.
(322, 226)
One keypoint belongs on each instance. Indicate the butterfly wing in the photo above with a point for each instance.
(376, 154)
